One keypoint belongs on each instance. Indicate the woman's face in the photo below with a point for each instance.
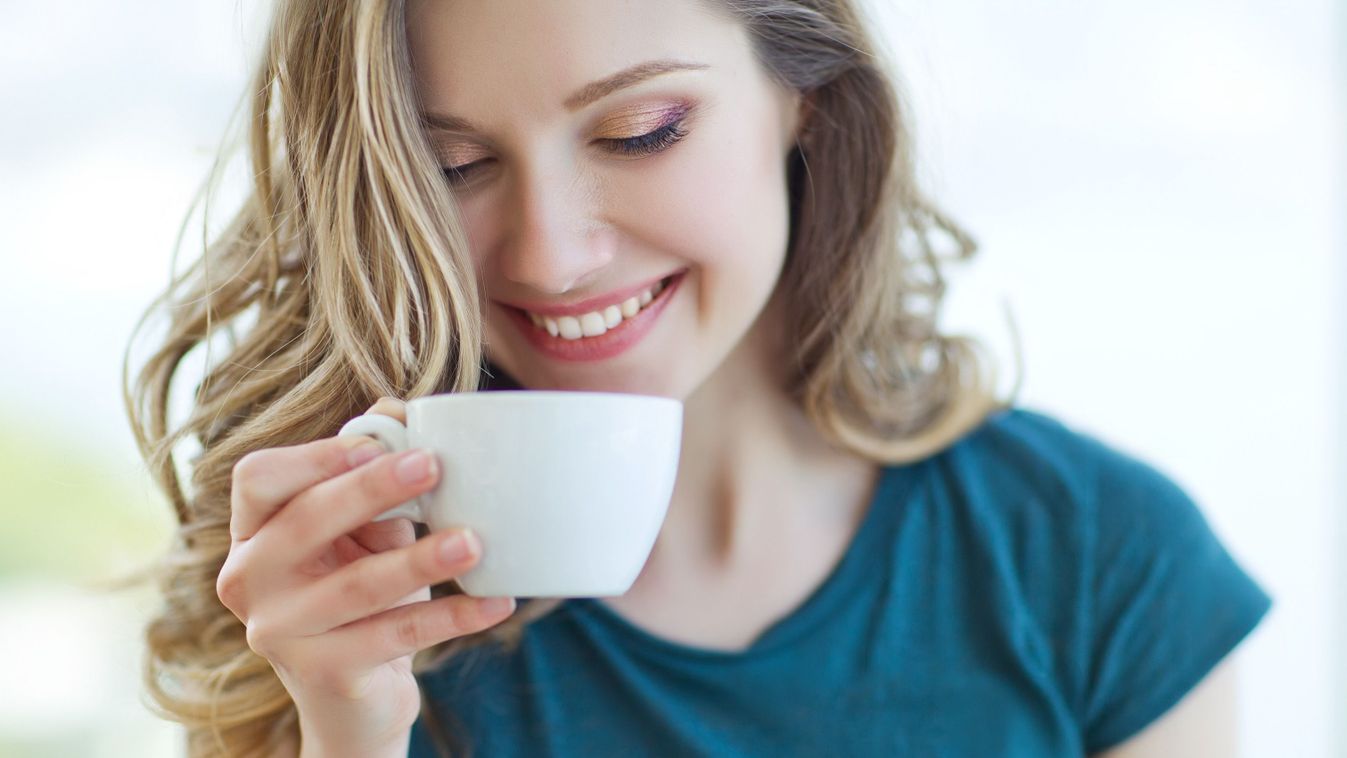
(584, 188)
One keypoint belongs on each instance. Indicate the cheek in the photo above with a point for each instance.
(479, 229)
(717, 199)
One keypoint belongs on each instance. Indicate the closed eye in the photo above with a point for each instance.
(653, 142)
(646, 144)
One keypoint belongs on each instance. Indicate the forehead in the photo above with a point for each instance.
(513, 59)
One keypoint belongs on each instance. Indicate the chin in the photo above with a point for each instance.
(591, 379)
(626, 384)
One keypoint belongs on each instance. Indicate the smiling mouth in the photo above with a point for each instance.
(599, 322)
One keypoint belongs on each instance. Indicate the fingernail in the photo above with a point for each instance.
(457, 546)
(363, 453)
(414, 467)
(493, 605)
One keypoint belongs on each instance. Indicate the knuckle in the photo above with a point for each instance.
(250, 465)
(246, 473)
(360, 595)
(259, 638)
(229, 588)
(330, 454)
(408, 630)
(459, 614)
(376, 484)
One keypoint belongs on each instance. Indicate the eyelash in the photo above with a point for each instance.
(653, 142)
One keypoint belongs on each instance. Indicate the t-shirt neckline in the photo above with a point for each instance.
(885, 501)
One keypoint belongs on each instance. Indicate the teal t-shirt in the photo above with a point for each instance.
(1028, 591)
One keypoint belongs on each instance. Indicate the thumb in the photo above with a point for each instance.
(390, 406)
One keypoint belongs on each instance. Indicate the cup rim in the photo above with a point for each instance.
(528, 396)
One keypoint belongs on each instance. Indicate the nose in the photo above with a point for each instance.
(555, 242)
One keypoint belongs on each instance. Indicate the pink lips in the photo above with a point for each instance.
(613, 342)
(585, 306)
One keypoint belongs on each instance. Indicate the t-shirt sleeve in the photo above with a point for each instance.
(1167, 601)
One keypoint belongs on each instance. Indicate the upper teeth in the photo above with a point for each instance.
(594, 323)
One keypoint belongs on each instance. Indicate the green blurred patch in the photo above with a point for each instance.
(71, 513)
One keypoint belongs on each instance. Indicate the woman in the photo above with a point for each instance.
(866, 553)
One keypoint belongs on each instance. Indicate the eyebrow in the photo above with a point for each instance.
(587, 94)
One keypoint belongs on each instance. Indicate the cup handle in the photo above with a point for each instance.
(392, 435)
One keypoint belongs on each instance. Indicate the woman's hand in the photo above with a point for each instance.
(339, 603)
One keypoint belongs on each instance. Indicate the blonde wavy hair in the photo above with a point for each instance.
(344, 277)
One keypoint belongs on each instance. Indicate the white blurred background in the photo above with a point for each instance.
(1157, 188)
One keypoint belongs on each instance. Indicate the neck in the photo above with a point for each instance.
(753, 469)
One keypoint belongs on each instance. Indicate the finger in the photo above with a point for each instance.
(378, 536)
(374, 537)
(390, 406)
(377, 582)
(404, 630)
(264, 480)
(339, 505)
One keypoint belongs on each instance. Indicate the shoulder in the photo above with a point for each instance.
(1059, 501)
(1105, 556)
(1037, 447)
(1023, 469)
(1031, 463)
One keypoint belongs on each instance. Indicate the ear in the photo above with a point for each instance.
(802, 105)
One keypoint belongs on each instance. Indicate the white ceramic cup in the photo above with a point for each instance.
(567, 490)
